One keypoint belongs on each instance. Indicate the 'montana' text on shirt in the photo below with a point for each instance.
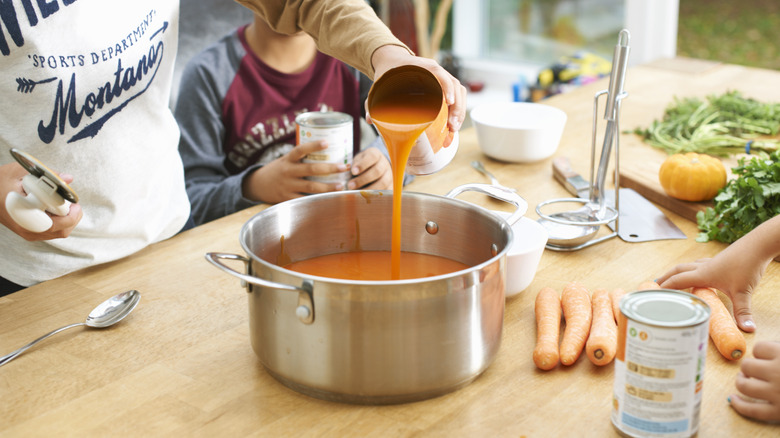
(70, 104)
(67, 109)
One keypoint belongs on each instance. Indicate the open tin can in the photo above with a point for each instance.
(659, 366)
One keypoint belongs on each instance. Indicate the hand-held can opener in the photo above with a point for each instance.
(46, 191)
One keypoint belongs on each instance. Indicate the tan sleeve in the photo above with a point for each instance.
(348, 30)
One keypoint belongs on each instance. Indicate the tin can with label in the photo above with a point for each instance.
(337, 130)
(659, 366)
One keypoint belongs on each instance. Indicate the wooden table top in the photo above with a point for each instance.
(181, 364)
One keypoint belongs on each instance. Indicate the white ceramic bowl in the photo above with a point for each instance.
(524, 254)
(518, 132)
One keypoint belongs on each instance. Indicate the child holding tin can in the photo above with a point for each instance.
(237, 108)
(736, 271)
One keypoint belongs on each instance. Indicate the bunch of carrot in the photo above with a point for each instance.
(591, 323)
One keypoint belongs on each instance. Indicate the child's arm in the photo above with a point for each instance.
(349, 30)
(736, 271)
(212, 191)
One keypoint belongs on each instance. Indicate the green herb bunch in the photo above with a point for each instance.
(722, 125)
(747, 200)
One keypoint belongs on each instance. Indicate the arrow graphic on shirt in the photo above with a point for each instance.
(162, 29)
(27, 85)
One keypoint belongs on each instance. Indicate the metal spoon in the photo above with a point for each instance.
(493, 180)
(106, 314)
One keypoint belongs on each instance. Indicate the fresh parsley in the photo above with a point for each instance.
(747, 200)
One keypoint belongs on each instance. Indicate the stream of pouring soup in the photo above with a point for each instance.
(401, 119)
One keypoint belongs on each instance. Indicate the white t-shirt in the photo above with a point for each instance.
(85, 90)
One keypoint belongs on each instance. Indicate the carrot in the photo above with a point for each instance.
(602, 340)
(648, 285)
(548, 327)
(575, 301)
(614, 296)
(723, 330)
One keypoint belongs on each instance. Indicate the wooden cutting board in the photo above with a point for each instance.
(641, 174)
(643, 177)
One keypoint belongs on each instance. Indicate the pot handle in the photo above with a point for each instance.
(216, 257)
(305, 309)
(500, 193)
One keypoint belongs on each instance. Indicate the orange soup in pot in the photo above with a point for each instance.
(372, 266)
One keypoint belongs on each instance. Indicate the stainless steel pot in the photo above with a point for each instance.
(376, 342)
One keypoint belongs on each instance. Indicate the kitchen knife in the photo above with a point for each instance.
(639, 220)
